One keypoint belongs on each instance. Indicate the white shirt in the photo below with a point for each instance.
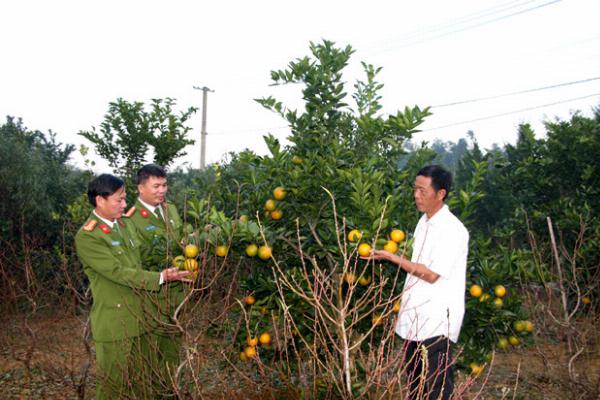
(436, 309)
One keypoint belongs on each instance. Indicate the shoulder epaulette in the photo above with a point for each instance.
(90, 225)
(130, 212)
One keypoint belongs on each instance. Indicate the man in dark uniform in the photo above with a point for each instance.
(159, 225)
(108, 248)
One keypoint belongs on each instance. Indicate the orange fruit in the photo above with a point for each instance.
(514, 340)
(484, 297)
(249, 300)
(191, 264)
(270, 205)
(586, 300)
(475, 290)
(251, 341)
(195, 275)
(221, 251)
(190, 251)
(498, 302)
(250, 352)
(528, 326)
(276, 214)
(243, 218)
(476, 369)
(397, 235)
(391, 246)
(364, 250)
(251, 250)
(500, 291)
(364, 280)
(264, 253)
(354, 235)
(179, 262)
(503, 343)
(264, 338)
(297, 160)
(519, 326)
(377, 319)
(279, 193)
(396, 307)
(350, 278)
(243, 356)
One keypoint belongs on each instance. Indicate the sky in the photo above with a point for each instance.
(64, 61)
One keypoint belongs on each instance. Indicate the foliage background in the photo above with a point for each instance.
(368, 161)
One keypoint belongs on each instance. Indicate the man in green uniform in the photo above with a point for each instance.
(108, 248)
(159, 225)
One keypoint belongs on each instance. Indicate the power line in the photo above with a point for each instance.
(455, 103)
(467, 18)
(511, 112)
(477, 25)
(261, 130)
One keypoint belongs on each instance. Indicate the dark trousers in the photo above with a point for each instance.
(429, 370)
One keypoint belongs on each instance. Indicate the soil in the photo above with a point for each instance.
(59, 367)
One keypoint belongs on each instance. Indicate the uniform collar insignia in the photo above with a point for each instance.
(105, 228)
(144, 213)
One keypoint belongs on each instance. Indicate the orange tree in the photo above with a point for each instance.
(345, 170)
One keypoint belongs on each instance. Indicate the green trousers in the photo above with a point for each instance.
(125, 368)
(168, 348)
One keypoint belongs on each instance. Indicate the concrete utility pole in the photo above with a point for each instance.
(205, 91)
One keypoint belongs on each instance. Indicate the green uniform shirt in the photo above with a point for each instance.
(111, 260)
(151, 228)
(165, 232)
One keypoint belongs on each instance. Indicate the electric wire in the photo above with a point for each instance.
(511, 112)
(466, 18)
(477, 25)
(455, 103)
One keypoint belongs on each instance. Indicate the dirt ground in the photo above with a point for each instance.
(59, 367)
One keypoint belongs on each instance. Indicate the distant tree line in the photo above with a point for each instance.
(42, 198)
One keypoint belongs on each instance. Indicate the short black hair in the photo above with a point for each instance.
(104, 185)
(150, 170)
(441, 178)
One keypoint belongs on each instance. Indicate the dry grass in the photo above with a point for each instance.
(537, 372)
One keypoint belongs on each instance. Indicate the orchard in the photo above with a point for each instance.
(299, 219)
(282, 303)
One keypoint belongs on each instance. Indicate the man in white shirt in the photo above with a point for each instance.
(433, 299)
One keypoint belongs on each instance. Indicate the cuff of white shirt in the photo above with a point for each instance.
(161, 280)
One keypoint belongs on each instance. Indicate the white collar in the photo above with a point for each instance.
(148, 206)
(439, 215)
(107, 222)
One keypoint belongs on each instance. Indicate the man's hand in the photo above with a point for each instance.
(384, 255)
(418, 270)
(174, 274)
